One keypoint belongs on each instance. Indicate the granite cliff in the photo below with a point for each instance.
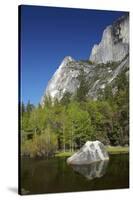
(114, 45)
(107, 61)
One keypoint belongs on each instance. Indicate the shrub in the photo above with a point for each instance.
(43, 145)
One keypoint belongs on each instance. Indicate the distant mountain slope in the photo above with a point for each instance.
(107, 61)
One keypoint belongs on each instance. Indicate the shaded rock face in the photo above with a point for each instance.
(91, 152)
(114, 45)
(93, 170)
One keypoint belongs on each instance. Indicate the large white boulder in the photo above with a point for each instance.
(92, 151)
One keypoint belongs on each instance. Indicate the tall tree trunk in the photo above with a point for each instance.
(72, 139)
(35, 131)
(64, 140)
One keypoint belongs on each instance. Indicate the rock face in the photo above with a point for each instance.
(114, 45)
(113, 48)
(91, 152)
(61, 81)
(93, 170)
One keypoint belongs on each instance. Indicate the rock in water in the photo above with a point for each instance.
(92, 151)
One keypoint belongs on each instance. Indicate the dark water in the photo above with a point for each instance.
(54, 175)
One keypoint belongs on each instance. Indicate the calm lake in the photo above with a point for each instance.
(54, 175)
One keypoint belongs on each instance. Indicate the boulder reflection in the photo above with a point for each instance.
(93, 170)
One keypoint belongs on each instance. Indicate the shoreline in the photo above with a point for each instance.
(110, 149)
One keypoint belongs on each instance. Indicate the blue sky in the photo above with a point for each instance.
(48, 34)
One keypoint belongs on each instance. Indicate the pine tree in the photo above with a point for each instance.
(82, 91)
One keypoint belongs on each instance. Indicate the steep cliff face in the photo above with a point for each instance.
(108, 60)
(114, 45)
(63, 80)
(60, 81)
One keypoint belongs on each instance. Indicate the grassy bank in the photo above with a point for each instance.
(64, 154)
(117, 150)
(111, 150)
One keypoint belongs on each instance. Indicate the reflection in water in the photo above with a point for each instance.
(93, 170)
(54, 175)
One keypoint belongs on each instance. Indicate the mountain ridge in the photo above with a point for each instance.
(114, 44)
(107, 60)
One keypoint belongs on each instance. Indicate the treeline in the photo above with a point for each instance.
(68, 124)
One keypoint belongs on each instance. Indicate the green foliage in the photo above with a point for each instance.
(66, 98)
(44, 145)
(22, 108)
(80, 128)
(122, 82)
(111, 65)
(107, 95)
(90, 62)
(87, 61)
(117, 150)
(48, 101)
(68, 124)
(81, 94)
(29, 107)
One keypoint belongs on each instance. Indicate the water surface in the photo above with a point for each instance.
(54, 175)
